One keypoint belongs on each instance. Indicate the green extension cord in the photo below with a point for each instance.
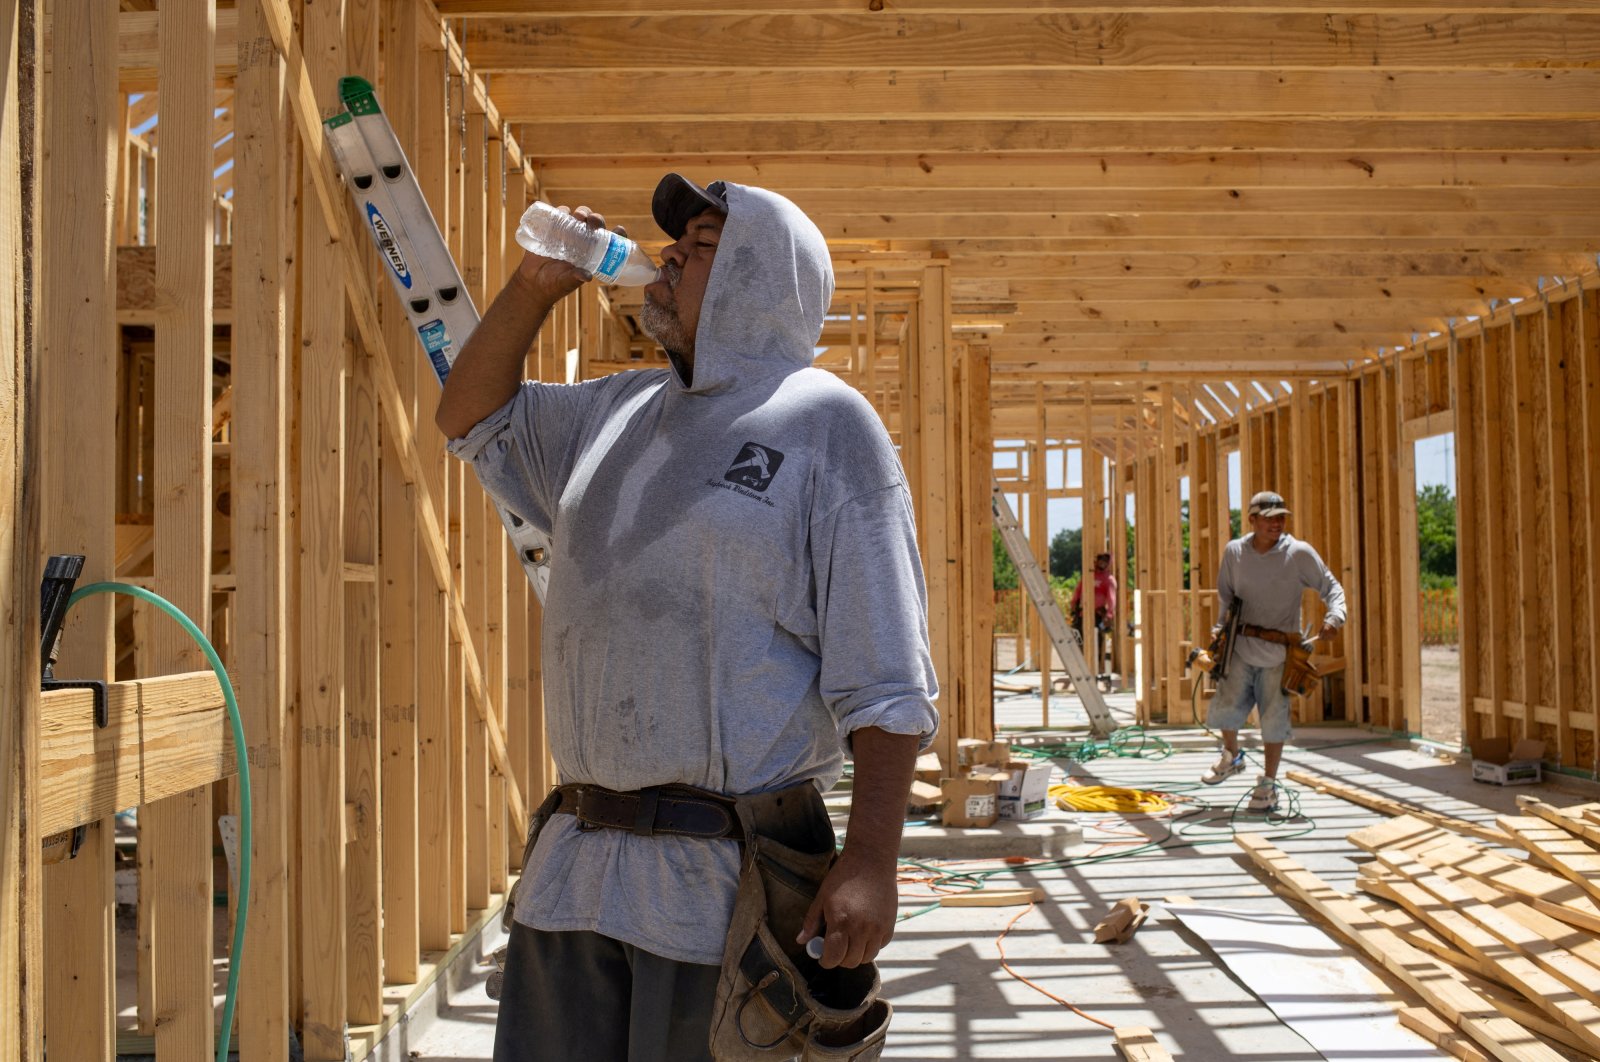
(225, 1033)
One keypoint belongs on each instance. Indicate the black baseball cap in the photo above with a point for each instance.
(678, 200)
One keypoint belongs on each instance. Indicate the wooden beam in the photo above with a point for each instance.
(399, 600)
(939, 538)
(1084, 93)
(138, 49)
(324, 272)
(649, 137)
(553, 8)
(258, 484)
(178, 829)
(77, 401)
(166, 736)
(1086, 170)
(1016, 39)
(21, 956)
(1379, 262)
(362, 647)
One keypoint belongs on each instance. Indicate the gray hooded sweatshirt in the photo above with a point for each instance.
(734, 588)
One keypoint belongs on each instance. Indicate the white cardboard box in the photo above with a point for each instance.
(1496, 761)
(1024, 789)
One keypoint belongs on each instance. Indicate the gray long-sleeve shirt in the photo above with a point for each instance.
(735, 586)
(1271, 584)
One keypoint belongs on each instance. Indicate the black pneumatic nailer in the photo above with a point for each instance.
(1216, 657)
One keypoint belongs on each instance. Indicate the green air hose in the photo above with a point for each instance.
(225, 1033)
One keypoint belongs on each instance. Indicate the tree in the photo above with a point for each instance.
(1005, 573)
(1066, 553)
(1436, 532)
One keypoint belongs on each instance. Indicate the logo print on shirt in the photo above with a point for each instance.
(754, 467)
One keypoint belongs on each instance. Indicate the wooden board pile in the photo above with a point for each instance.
(1502, 953)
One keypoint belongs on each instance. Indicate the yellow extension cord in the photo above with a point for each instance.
(1107, 798)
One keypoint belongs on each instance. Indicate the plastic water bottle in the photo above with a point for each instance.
(613, 259)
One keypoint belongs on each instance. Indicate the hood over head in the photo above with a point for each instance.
(770, 287)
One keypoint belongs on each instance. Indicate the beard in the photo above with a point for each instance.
(662, 323)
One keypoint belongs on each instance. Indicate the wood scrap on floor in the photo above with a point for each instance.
(992, 898)
(1122, 921)
(1574, 819)
(1545, 890)
(1470, 928)
(924, 799)
(1441, 986)
(1428, 1025)
(1572, 857)
(1139, 1044)
(1390, 806)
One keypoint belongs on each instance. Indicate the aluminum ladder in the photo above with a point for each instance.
(1062, 636)
(419, 265)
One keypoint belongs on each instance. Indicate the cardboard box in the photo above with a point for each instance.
(1496, 761)
(971, 800)
(1024, 789)
(972, 753)
(929, 769)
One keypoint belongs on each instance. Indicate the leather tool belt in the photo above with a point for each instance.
(676, 810)
(1298, 670)
(1267, 634)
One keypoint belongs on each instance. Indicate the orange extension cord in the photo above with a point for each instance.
(1042, 991)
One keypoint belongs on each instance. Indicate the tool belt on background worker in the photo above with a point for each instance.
(1298, 670)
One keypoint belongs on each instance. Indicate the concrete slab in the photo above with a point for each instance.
(953, 999)
(1051, 836)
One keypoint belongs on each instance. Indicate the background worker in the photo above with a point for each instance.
(735, 599)
(1268, 569)
(1105, 595)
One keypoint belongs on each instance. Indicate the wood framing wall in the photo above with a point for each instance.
(229, 407)
(1519, 390)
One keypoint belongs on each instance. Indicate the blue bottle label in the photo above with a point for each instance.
(436, 342)
(616, 255)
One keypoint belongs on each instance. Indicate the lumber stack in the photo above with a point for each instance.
(1502, 951)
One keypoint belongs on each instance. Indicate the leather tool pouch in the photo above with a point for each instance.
(1299, 673)
(773, 1000)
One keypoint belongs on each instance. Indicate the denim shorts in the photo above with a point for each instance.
(1247, 687)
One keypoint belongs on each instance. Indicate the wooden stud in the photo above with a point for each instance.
(1350, 571)
(1526, 349)
(178, 829)
(434, 679)
(977, 521)
(1589, 360)
(1556, 367)
(940, 555)
(1039, 532)
(260, 545)
(399, 598)
(76, 400)
(1495, 639)
(322, 923)
(21, 957)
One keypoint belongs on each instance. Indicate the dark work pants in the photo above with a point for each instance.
(583, 997)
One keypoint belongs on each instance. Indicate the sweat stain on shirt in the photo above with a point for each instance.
(734, 582)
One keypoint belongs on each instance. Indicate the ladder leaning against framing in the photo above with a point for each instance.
(1062, 636)
(419, 265)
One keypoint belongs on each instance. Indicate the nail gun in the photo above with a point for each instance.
(1216, 657)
